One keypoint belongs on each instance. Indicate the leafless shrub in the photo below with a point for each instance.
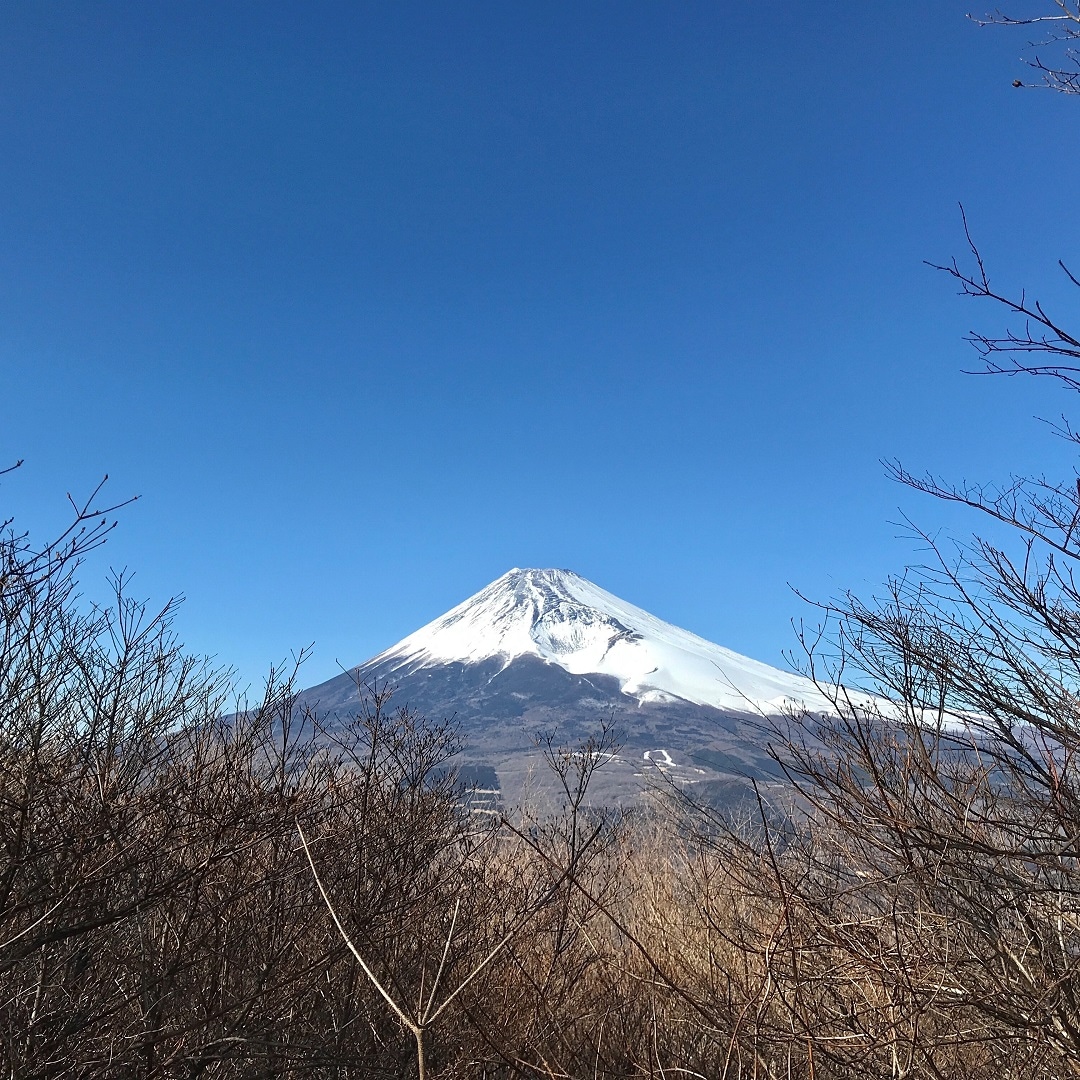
(157, 917)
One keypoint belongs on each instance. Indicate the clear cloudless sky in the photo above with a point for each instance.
(371, 302)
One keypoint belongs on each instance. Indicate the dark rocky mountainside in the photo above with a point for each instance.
(534, 627)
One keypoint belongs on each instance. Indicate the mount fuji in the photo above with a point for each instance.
(542, 651)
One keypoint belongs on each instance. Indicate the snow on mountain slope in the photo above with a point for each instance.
(563, 619)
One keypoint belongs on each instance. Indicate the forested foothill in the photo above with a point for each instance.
(193, 885)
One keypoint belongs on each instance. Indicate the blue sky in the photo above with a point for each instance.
(371, 302)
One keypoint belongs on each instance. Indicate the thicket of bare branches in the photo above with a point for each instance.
(157, 916)
(933, 854)
(1053, 52)
(160, 916)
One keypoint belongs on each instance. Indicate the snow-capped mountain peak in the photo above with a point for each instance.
(565, 620)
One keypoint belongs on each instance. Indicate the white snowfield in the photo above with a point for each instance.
(563, 619)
